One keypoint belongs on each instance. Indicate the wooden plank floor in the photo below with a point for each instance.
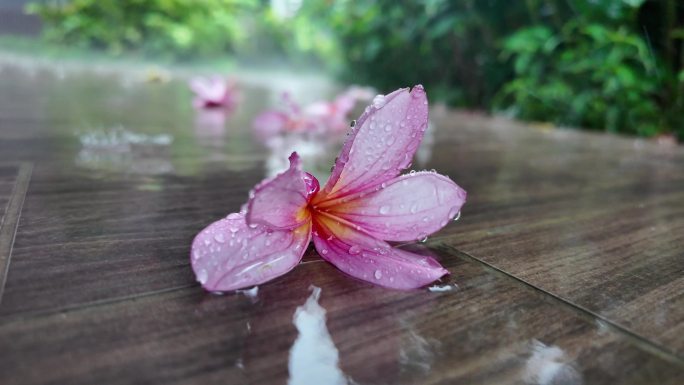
(567, 265)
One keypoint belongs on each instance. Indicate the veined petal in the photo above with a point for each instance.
(382, 145)
(364, 257)
(281, 202)
(406, 208)
(230, 255)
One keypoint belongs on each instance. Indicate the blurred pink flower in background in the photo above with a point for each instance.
(318, 117)
(214, 92)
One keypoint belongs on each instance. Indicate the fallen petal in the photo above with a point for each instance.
(270, 123)
(364, 257)
(407, 208)
(229, 255)
(281, 202)
(382, 145)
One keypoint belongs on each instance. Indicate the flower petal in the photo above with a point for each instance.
(382, 145)
(270, 123)
(281, 202)
(212, 90)
(229, 254)
(370, 259)
(406, 208)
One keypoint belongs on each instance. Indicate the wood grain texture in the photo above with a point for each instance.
(596, 220)
(490, 330)
(574, 265)
(14, 182)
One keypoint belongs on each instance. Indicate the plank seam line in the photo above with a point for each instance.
(8, 228)
(641, 342)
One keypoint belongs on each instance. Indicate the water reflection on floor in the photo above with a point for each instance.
(131, 123)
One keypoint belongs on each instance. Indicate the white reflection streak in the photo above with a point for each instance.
(314, 359)
(549, 365)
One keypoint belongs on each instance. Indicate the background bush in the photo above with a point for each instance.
(615, 65)
(176, 28)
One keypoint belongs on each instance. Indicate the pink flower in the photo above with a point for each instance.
(213, 92)
(321, 116)
(289, 119)
(364, 204)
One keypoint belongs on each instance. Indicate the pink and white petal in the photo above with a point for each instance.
(230, 255)
(209, 89)
(270, 123)
(406, 208)
(382, 145)
(369, 259)
(281, 203)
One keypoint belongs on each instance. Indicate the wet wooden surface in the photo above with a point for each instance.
(567, 263)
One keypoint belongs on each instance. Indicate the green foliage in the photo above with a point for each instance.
(160, 27)
(587, 63)
(586, 75)
(448, 46)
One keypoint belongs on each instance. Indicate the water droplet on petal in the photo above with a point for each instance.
(378, 274)
(454, 213)
(324, 251)
(384, 209)
(414, 208)
(219, 238)
(379, 101)
(354, 250)
(422, 238)
(202, 276)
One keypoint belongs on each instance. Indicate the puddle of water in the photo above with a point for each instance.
(549, 365)
(314, 358)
